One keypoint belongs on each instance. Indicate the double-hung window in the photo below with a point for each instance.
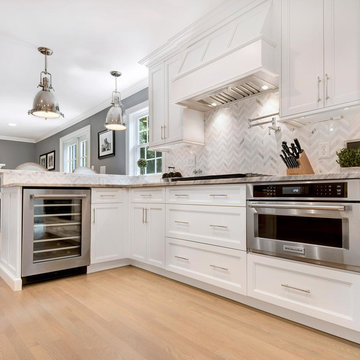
(138, 139)
(74, 150)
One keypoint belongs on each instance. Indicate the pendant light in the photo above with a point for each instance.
(114, 118)
(45, 104)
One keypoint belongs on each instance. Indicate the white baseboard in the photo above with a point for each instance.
(108, 265)
(14, 282)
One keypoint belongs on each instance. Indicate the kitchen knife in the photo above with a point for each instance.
(287, 158)
(286, 148)
(295, 151)
(297, 143)
(284, 160)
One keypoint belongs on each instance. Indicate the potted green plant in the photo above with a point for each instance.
(142, 164)
(349, 159)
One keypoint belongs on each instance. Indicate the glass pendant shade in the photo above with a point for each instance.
(45, 104)
(114, 118)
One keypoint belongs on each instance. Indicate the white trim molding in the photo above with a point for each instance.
(20, 139)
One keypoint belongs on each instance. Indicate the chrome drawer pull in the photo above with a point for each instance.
(218, 226)
(223, 195)
(181, 222)
(181, 195)
(181, 258)
(103, 195)
(146, 195)
(219, 267)
(295, 288)
(318, 88)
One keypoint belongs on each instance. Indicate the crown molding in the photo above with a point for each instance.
(210, 22)
(133, 89)
(13, 138)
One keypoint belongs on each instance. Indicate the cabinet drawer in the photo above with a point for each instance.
(221, 267)
(108, 195)
(214, 225)
(149, 195)
(228, 195)
(327, 294)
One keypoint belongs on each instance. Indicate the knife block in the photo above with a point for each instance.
(304, 168)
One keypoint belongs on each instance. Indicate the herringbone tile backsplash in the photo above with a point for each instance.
(231, 147)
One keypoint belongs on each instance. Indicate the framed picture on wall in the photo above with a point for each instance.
(50, 160)
(106, 143)
(42, 160)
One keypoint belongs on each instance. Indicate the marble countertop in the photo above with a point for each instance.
(21, 178)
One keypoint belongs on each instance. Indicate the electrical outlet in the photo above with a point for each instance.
(324, 150)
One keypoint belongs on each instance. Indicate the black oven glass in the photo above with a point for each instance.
(308, 230)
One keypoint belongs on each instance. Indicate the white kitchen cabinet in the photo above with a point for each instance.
(327, 294)
(222, 267)
(148, 233)
(302, 56)
(342, 51)
(108, 232)
(214, 225)
(157, 104)
(170, 123)
(320, 55)
(109, 225)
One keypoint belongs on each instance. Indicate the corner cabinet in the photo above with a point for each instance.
(320, 55)
(170, 123)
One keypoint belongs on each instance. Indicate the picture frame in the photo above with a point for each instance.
(106, 144)
(50, 160)
(43, 160)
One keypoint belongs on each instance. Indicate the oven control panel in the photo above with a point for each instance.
(313, 190)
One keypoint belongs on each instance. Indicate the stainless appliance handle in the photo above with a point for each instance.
(58, 196)
(302, 207)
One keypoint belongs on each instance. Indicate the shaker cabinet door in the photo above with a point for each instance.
(138, 232)
(302, 56)
(342, 51)
(155, 219)
(156, 104)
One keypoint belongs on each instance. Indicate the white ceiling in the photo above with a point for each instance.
(89, 38)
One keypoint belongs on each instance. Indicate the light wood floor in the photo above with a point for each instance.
(131, 314)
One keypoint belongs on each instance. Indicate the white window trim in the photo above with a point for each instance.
(83, 132)
(131, 138)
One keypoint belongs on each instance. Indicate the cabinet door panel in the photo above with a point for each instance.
(156, 104)
(302, 56)
(174, 124)
(155, 219)
(138, 232)
(107, 232)
(342, 51)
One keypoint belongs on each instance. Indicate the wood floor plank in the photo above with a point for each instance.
(132, 314)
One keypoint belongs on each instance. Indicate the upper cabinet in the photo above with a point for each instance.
(170, 123)
(320, 55)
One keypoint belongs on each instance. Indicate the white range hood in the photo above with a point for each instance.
(236, 61)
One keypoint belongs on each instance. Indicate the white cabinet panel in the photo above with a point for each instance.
(148, 195)
(155, 220)
(225, 195)
(109, 232)
(221, 267)
(215, 225)
(156, 104)
(138, 231)
(342, 51)
(108, 195)
(327, 294)
(148, 233)
(302, 56)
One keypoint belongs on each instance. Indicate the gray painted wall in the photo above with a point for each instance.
(114, 165)
(14, 153)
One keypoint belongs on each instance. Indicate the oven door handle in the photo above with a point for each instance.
(59, 196)
(296, 207)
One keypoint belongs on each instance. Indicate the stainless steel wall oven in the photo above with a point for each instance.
(316, 222)
(56, 230)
